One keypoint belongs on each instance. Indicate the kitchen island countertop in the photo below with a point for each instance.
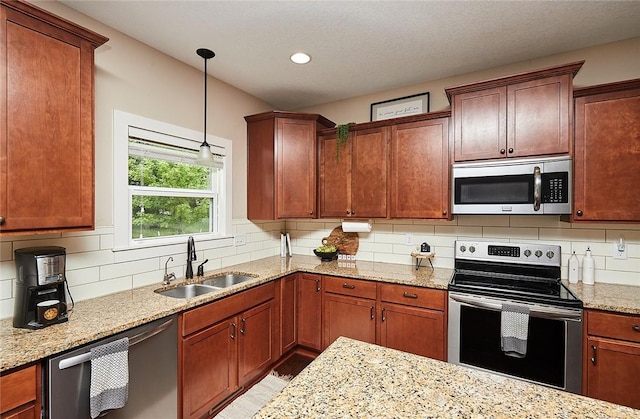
(356, 379)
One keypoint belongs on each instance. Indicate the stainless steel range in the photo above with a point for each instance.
(510, 314)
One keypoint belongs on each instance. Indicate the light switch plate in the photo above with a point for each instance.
(619, 254)
(240, 240)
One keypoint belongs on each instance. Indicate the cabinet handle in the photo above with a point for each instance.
(317, 285)
(244, 325)
(635, 328)
(383, 317)
(579, 213)
(348, 286)
(1, 220)
(409, 295)
(510, 150)
(593, 353)
(502, 151)
(233, 328)
(372, 312)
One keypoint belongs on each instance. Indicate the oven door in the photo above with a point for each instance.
(554, 342)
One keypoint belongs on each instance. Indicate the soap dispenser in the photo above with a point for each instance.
(574, 266)
(588, 268)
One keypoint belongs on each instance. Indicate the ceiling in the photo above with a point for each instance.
(360, 47)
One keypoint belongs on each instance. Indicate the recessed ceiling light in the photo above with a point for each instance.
(300, 58)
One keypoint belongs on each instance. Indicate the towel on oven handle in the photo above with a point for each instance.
(514, 330)
(109, 376)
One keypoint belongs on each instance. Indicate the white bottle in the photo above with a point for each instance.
(574, 266)
(588, 269)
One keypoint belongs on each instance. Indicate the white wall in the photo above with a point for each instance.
(135, 78)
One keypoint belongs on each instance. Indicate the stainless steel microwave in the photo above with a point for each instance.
(519, 186)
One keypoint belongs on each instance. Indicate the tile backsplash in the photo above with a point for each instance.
(93, 269)
(388, 240)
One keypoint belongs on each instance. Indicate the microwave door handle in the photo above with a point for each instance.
(537, 188)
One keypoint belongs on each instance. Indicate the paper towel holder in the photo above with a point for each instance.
(353, 226)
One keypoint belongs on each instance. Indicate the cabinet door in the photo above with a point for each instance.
(415, 330)
(351, 317)
(334, 178)
(288, 318)
(607, 152)
(420, 169)
(256, 341)
(46, 139)
(613, 372)
(480, 124)
(539, 117)
(309, 309)
(24, 412)
(369, 173)
(296, 178)
(209, 371)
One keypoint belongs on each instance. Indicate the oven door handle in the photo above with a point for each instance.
(554, 313)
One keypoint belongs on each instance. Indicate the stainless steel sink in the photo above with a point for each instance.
(227, 280)
(187, 291)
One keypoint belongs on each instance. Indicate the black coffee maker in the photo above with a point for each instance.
(40, 299)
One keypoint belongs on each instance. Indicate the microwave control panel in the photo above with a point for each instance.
(555, 188)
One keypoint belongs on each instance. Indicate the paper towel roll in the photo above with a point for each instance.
(356, 227)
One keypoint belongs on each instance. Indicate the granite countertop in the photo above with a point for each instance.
(370, 381)
(100, 317)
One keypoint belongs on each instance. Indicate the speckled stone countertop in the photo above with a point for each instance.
(353, 379)
(100, 317)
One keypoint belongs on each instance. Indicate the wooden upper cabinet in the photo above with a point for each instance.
(419, 180)
(353, 183)
(607, 153)
(281, 164)
(47, 113)
(524, 115)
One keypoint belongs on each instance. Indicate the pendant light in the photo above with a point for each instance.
(204, 155)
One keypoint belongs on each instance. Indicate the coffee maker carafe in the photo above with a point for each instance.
(40, 299)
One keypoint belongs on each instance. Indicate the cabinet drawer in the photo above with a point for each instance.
(347, 286)
(617, 326)
(18, 388)
(211, 313)
(413, 296)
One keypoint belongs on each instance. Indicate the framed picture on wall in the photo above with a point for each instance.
(403, 106)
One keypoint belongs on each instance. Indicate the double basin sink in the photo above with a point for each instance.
(206, 286)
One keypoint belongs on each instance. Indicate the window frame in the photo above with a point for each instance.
(126, 123)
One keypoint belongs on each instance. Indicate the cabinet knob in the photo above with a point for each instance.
(444, 212)
(579, 213)
(1, 220)
(353, 212)
(510, 150)
(348, 212)
(310, 212)
(502, 151)
(636, 328)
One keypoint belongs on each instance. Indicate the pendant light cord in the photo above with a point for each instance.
(206, 54)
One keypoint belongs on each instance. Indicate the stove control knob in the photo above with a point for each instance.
(463, 249)
(538, 253)
(527, 253)
(550, 254)
(472, 249)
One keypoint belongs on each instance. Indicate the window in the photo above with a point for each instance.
(161, 195)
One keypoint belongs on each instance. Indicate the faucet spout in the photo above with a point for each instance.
(168, 277)
(191, 256)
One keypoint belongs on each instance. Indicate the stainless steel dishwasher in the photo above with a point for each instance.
(153, 375)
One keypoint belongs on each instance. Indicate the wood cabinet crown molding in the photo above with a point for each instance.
(389, 122)
(571, 68)
(295, 115)
(618, 86)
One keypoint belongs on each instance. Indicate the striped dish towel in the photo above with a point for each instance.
(109, 376)
(514, 330)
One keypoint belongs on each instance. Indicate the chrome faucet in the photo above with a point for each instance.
(191, 256)
(168, 277)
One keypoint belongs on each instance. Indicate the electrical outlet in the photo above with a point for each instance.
(619, 252)
(240, 240)
(409, 239)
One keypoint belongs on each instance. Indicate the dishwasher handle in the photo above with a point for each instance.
(134, 340)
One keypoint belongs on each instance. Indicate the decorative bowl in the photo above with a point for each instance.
(326, 256)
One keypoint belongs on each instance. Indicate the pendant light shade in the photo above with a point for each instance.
(204, 155)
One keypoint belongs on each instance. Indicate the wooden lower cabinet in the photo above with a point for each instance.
(612, 358)
(226, 345)
(352, 317)
(309, 311)
(288, 317)
(20, 393)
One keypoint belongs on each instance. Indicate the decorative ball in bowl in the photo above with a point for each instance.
(326, 253)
